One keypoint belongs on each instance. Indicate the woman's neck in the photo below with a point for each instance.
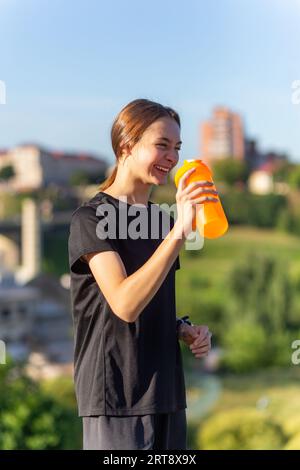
(135, 191)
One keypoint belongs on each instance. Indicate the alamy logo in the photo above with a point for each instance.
(296, 93)
(2, 352)
(2, 92)
(115, 224)
(296, 353)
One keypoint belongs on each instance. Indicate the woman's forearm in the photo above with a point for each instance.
(136, 291)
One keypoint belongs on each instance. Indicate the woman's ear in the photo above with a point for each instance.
(125, 152)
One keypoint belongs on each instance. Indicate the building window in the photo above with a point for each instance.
(5, 312)
(22, 309)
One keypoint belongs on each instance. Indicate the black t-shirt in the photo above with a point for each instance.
(122, 368)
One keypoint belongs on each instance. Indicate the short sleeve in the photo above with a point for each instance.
(85, 238)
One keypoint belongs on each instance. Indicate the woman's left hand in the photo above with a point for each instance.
(197, 337)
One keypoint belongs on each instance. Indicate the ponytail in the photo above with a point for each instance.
(109, 181)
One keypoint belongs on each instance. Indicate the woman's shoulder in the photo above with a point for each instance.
(88, 208)
(82, 211)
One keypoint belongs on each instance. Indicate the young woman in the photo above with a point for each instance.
(129, 378)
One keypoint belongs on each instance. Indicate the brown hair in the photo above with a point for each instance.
(130, 124)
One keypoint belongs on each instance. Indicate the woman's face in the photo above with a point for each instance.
(157, 152)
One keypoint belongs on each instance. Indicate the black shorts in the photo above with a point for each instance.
(156, 432)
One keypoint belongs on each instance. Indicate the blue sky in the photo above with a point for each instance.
(71, 65)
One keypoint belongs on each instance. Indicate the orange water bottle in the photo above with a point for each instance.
(210, 220)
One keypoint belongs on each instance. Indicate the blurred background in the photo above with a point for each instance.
(231, 70)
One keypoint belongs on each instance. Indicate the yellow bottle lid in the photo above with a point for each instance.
(188, 164)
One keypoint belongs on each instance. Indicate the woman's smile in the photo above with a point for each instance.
(162, 170)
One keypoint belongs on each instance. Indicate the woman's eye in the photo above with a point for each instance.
(164, 145)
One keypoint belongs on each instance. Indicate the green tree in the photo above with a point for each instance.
(7, 172)
(81, 177)
(241, 429)
(283, 172)
(78, 178)
(30, 418)
(294, 177)
(230, 171)
(262, 288)
(285, 220)
(260, 318)
(246, 346)
(253, 209)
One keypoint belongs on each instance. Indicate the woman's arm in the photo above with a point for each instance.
(128, 296)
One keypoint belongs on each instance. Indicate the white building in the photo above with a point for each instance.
(261, 180)
(37, 167)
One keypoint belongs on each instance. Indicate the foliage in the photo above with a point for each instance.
(294, 177)
(230, 171)
(240, 429)
(269, 394)
(283, 171)
(81, 177)
(260, 323)
(30, 418)
(55, 252)
(7, 172)
(293, 443)
(253, 209)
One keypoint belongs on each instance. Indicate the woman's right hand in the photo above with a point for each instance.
(187, 196)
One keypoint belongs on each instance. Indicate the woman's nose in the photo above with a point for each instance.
(173, 156)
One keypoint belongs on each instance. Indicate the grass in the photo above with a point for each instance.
(273, 391)
(241, 240)
(247, 390)
(203, 279)
(204, 272)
